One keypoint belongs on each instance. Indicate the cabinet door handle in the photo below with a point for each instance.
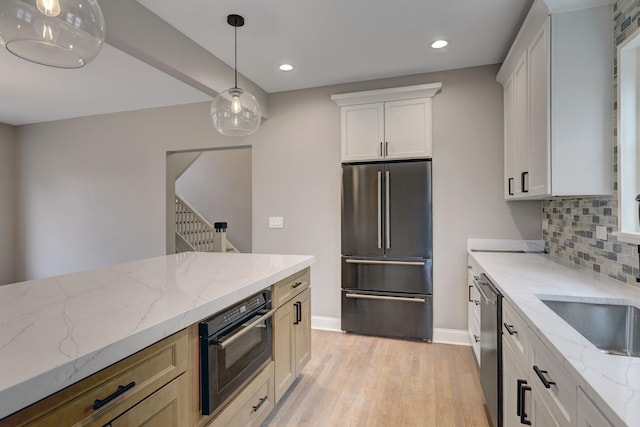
(540, 375)
(476, 338)
(299, 311)
(260, 403)
(381, 152)
(510, 329)
(524, 188)
(386, 148)
(510, 182)
(296, 321)
(121, 390)
(470, 286)
(476, 302)
(523, 414)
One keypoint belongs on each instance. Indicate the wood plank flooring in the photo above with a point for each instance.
(355, 380)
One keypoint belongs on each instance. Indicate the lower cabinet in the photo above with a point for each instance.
(164, 408)
(537, 390)
(252, 405)
(473, 309)
(111, 393)
(292, 340)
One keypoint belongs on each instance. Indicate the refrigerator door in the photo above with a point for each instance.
(407, 220)
(387, 314)
(382, 274)
(362, 209)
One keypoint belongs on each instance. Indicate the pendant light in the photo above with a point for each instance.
(235, 112)
(57, 33)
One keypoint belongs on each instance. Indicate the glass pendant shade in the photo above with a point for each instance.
(57, 33)
(235, 112)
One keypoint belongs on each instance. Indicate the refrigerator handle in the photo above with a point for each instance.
(379, 210)
(387, 203)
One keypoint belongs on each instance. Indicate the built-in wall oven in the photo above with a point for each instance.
(234, 346)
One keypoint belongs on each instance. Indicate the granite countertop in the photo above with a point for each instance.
(57, 331)
(612, 382)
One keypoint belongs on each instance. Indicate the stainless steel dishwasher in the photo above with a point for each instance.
(491, 347)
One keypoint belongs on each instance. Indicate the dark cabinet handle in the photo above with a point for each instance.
(510, 182)
(476, 302)
(381, 152)
(121, 390)
(523, 414)
(509, 329)
(262, 400)
(470, 286)
(386, 148)
(299, 304)
(296, 285)
(477, 338)
(540, 375)
(525, 189)
(296, 321)
(519, 396)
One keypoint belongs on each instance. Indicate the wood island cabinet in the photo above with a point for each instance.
(291, 330)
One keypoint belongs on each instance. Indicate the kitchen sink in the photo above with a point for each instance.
(614, 329)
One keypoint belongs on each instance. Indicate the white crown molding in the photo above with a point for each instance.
(393, 94)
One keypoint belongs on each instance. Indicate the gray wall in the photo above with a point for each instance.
(297, 175)
(93, 190)
(7, 204)
(218, 186)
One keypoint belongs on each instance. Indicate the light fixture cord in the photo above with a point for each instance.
(235, 65)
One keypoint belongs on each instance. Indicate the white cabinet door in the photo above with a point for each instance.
(538, 152)
(521, 124)
(362, 132)
(514, 377)
(588, 414)
(509, 142)
(407, 128)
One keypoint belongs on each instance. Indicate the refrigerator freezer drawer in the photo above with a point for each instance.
(386, 314)
(405, 276)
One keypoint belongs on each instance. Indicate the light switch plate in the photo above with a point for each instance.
(601, 232)
(276, 222)
(545, 224)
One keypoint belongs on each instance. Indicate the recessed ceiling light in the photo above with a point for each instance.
(439, 44)
(286, 67)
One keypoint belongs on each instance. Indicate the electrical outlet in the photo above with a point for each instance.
(601, 232)
(276, 222)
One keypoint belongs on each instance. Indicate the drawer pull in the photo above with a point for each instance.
(470, 300)
(540, 375)
(121, 390)
(477, 338)
(509, 329)
(476, 302)
(297, 284)
(262, 400)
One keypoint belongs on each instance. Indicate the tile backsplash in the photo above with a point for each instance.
(571, 233)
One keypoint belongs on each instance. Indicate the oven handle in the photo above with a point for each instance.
(224, 344)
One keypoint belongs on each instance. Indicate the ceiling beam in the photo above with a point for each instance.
(137, 31)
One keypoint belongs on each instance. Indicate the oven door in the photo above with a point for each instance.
(233, 356)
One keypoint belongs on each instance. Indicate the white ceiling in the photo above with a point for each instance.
(327, 41)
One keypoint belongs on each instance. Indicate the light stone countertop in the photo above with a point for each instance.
(612, 382)
(59, 330)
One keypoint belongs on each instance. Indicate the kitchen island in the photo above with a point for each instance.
(57, 331)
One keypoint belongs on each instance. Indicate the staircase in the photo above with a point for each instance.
(195, 233)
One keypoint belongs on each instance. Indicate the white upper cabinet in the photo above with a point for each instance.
(558, 99)
(387, 124)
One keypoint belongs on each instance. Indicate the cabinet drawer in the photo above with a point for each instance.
(140, 374)
(252, 405)
(286, 289)
(560, 396)
(515, 331)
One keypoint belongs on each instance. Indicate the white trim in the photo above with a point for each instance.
(451, 336)
(325, 323)
(627, 237)
(393, 94)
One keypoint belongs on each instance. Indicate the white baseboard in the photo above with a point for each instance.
(451, 336)
(325, 323)
(441, 336)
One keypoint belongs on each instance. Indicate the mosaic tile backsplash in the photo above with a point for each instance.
(571, 233)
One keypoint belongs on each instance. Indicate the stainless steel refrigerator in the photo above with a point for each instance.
(387, 249)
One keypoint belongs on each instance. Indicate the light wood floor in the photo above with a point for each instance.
(355, 380)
